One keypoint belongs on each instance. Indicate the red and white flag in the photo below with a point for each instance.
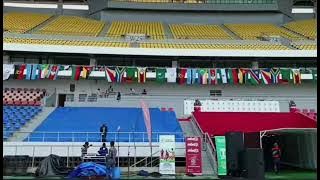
(147, 120)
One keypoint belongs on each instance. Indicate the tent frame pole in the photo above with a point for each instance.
(262, 133)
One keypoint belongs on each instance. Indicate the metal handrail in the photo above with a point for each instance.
(111, 135)
(133, 165)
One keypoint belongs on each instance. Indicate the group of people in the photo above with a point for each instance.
(110, 153)
(110, 90)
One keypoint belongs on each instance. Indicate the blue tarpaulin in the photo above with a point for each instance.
(89, 169)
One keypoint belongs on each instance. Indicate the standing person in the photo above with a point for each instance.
(276, 154)
(104, 131)
(112, 154)
(119, 96)
(84, 149)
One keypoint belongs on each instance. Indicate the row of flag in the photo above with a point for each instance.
(171, 75)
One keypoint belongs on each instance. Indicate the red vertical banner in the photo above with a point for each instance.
(193, 155)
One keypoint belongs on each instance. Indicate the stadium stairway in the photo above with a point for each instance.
(167, 31)
(189, 129)
(232, 34)
(40, 26)
(31, 125)
(104, 30)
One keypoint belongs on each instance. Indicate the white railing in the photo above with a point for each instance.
(94, 136)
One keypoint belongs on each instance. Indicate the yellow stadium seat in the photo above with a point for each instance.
(73, 25)
(307, 28)
(180, 31)
(153, 29)
(254, 31)
(21, 22)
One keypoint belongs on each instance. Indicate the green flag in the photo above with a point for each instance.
(161, 75)
(286, 75)
(131, 74)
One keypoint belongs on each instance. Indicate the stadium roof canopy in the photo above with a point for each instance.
(219, 123)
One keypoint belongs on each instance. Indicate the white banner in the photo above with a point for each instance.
(167, 154)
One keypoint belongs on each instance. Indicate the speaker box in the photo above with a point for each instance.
(252, 163)
(72, 87)
(234, 145)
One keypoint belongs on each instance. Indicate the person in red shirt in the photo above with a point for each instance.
(276, 154)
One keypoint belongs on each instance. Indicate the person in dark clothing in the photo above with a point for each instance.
(119, 96)
(104, 131)
(276, 155)
(144, 92)
(103, 151)
(85, 148)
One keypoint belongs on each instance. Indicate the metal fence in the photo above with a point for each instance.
(93, 136)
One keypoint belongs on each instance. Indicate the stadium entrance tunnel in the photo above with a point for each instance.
(298, 148)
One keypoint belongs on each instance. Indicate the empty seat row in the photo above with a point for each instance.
(307, 28)
(15, 117)
(187, 31)
(215, 46)
(73, 25)
(21, 22)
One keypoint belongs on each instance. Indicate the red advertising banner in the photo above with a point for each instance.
(193, 155)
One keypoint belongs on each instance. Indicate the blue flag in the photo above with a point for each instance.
(189, 76)
(29, 71)
(34, 74)
(194, 76)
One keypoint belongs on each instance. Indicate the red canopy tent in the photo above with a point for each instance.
(219, 123)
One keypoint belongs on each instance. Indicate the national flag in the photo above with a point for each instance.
(76, 71)
(120, 74)
(275, 75)
(266, 76)
(86, 70)
(35, 71)
(242, 75)
(296, 76)
(213, 76)
(19, 74)
(147, 120)
(65, 68)
(285, 75)
(171, 75)
(222, 76)
(161, 75)
(203, 73)
(189, 76)
(253, 76)
(8, 69)
(44, 71)
(181, 75)
(142, 75)
(100, 68)
(131, 74)
(53, 72)
(195, 76)
(110, 74)
(29, 71)
(233, 76)
(16, 71)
